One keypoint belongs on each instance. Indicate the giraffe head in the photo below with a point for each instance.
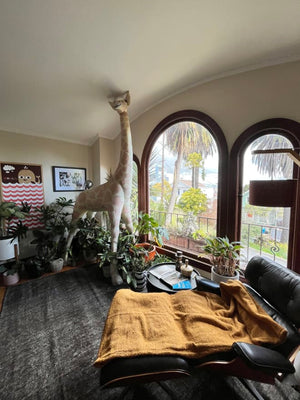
(120, 103)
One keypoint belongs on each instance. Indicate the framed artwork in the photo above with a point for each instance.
(23, 183)
(68, 179)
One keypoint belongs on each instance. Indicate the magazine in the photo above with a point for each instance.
(167, 275)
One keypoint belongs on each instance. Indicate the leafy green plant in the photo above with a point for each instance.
(134, 260)
(92, 239)
(224, 255)
(199, 234)
(46, 248)
(8, 211)
(193, 200)
(10, 267)
(149, 225)
(55, 218)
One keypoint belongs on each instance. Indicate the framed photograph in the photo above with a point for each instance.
(68, 179)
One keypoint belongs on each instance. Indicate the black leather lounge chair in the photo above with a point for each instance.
(277, 290)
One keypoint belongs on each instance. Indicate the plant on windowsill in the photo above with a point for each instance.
(148, 225)
(140, 257)
(224, 256)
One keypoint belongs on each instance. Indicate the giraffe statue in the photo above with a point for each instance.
(114, 195)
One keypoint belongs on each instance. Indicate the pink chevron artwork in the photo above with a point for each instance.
(23, 183)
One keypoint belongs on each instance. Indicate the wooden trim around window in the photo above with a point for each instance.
(218, 135)
(282, 126)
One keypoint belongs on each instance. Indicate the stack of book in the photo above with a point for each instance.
(170, 277)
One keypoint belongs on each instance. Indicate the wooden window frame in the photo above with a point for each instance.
(289, 129)
(219, 137)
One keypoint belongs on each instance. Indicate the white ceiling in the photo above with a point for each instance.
(60, 59)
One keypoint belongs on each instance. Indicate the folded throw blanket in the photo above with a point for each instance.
(189, 323)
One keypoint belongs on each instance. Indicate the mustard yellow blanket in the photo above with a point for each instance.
(189, 323)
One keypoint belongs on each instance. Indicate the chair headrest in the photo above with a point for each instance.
(277, 284)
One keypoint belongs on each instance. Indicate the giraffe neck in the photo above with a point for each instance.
(124, 169)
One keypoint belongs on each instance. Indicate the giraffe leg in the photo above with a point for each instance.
(77, 213)
(114, 217)
(126, 217)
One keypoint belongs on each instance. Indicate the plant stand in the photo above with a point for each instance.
(141, 281)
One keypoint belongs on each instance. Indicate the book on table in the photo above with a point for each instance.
(171, 277)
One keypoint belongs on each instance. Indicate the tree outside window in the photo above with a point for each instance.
(265, 230)
(183, 178)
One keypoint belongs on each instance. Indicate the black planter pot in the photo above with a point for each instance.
(33, 270)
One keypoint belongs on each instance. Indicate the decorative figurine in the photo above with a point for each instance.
(186, 269)
(114, 195)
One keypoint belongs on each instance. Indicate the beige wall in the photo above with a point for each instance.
(109, 156)
(235, 102)
(46, 152)
(95, 152)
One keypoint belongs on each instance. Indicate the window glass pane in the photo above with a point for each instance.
(265, 230)
(183, 178)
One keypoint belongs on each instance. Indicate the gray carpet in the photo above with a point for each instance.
(50, 334)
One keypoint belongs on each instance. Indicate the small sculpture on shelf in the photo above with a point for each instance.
(186, 269)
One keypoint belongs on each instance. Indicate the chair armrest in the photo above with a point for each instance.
(208, 286)
(263, 358)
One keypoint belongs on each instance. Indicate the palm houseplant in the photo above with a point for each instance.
(224, 256)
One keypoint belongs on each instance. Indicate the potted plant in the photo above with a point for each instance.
(148, 225)
(10, 273)
(50, 241)
(45, 249)
(91, 240)
(9, 234)
(224, 256)
(135, 265)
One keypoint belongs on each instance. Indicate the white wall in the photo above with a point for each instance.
(47, 153)
(234, 102)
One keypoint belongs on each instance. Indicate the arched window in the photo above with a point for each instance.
(269, 231)
(184, 171)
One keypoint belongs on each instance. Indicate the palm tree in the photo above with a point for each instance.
(274, 165)
(182, 139)
(195, 162)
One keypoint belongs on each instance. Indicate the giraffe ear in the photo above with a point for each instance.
(127, 97)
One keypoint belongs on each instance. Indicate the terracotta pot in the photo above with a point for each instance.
(151, 252)
(222, 278)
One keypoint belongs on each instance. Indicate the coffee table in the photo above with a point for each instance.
(154, 284)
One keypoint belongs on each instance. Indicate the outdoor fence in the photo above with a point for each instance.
(257, 239)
